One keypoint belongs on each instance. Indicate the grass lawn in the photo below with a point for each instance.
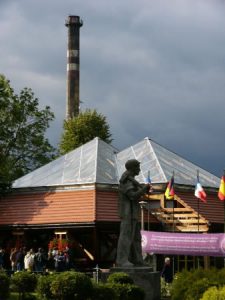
(15, 296)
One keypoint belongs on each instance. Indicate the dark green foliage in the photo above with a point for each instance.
(134, 292)
(181, 285)
(127, 291)
(123, 285)
(120, 277)
(103, 292)
(82, 129)
(198, 288)
(23, 146)
(4, 286)
(219, 277)
(43, 287)
(191, 285)
(24, 283)
(71, 285)
(30, 297)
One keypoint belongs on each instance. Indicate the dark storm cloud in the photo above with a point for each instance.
(154, 68)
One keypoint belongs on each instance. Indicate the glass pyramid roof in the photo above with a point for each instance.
(99, 162)
(161, 163)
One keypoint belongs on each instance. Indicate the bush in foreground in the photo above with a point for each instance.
(24, 283)
(103, 291)
(127, 291)
(44, 285)
(191, 285)
(4, 285)
(120, 277)
(71, 285)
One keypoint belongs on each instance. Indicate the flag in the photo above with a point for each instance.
(169, 193)
(199, 191)
(221, 193)
(148, 179)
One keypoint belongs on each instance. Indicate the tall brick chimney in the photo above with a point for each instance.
(73, 66)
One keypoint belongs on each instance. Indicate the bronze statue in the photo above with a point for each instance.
(129, 252)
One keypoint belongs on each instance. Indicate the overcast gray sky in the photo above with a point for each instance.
(154, 68)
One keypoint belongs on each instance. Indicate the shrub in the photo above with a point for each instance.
(120, 277)
(214, 293)
(24, 282)
(71, 285)
(192, 284)
(221, 277)
(221, 293)
(4, 285)
(124, 286)
(134, 292)
(103, 291)
(127, 291)
(180, 285)
(43, 287)
(197, 289)
(211, 294)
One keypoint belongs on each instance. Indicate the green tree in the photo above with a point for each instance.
(83, 128)
(23, 146)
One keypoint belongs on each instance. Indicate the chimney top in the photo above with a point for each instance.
(73, 20)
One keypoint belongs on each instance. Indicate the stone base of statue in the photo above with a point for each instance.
(144, 277)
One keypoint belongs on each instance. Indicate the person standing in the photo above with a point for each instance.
(13, 262)
(129, 251)
(29, 261)
(20, 259)
(2, 252)
(40, 260)
(167, 271)
(60, 262)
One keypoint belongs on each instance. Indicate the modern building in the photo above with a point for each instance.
(75, 198)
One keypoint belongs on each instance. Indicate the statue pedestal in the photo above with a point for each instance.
(144, 277)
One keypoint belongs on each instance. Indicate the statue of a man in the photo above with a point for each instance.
(129, 252)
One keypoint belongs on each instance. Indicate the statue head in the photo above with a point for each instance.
(133, 166)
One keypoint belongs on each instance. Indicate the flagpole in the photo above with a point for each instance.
(198, 214)
(173, 207)
(148, 201)
(173, 220)
(198, 199)
(224, 204)
(224, 212)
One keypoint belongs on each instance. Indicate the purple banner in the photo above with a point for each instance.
(196, 244)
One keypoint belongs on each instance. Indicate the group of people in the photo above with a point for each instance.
(40, 261)
(21, 259)
(60, 259)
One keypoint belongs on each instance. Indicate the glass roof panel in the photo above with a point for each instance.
(106, 164)
(99, 162)
(185, 171)
(77, 166)
(144, 153)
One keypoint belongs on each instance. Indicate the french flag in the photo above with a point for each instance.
(199, 192)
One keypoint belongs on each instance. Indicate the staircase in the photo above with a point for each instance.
(182, 218)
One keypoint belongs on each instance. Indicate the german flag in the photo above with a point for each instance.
(169, 193)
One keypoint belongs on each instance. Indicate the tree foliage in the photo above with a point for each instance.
(83, 128)
(23, 146)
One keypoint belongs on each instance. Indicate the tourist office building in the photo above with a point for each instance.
(73, 201)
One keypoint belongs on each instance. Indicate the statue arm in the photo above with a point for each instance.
(136, 194)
